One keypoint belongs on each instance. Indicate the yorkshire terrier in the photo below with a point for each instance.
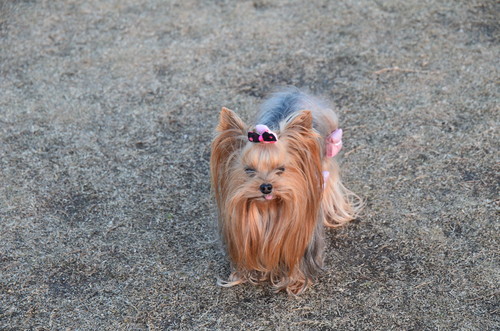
(276, 184)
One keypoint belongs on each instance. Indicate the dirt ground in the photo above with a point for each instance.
(107, 110)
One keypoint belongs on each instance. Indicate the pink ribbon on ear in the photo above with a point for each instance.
(334, 143)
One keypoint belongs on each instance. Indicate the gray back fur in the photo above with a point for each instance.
(284, 103)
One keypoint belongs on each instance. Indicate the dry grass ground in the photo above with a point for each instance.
(106, 114)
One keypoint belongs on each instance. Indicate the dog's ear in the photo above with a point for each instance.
(228, 120)
(304, 144)
(302, 122)
(230, 137)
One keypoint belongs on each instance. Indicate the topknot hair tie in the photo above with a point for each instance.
(262, 134)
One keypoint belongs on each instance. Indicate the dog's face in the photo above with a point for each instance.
(264, 169)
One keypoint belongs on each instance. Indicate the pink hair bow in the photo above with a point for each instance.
(334, 143)
(262, 135)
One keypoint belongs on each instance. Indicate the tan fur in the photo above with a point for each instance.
(276, 240)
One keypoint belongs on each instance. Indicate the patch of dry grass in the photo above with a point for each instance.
(106, 114)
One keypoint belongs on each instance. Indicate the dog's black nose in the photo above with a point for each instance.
(266, 188)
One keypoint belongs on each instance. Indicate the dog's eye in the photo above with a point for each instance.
(250, 171)
(280, 170)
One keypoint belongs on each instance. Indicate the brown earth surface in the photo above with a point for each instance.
(107, 110)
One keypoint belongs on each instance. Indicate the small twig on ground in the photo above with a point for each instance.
(357, 127)
(398, 69)
(423, 284)
(420, 177)
(352, 151)
(112, 228)
(486, 296)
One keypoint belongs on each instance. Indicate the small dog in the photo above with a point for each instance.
(276, 185)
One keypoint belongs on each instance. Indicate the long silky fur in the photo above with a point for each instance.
(278, 241)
